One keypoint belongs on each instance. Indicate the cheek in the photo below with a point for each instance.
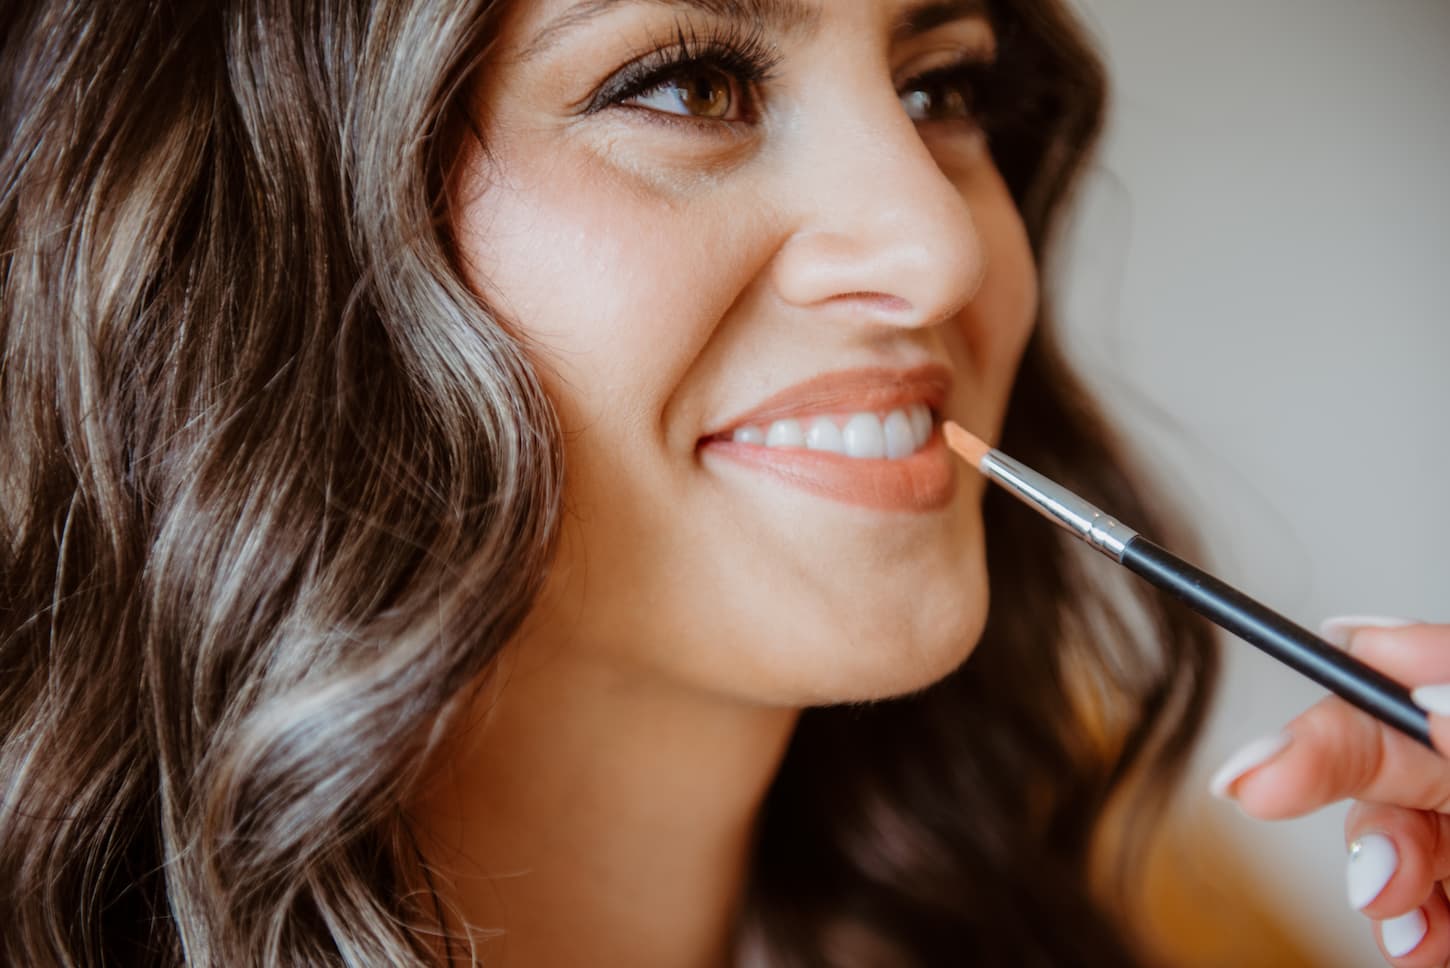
(996, 326)
(613, 317)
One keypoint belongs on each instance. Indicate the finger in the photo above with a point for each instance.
(1416, 654)
(1397, 858)
(1335, 752)
(1419, 939)
(1341, 628)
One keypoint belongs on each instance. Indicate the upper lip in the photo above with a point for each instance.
(852, 391)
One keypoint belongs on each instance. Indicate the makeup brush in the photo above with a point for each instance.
(1220, 603)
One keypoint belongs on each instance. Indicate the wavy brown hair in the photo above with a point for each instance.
(278, 486)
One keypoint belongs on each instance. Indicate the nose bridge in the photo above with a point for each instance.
(877, 216)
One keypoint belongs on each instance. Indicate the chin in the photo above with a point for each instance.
(908, 662)
(879, 652)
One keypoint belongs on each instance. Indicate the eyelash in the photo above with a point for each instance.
(747, 56)
(742, 53)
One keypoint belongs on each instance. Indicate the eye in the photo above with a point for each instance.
(696, 90)
(950, 94)
(936, 103)
(714, 76)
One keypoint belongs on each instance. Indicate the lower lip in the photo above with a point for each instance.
(925, 481)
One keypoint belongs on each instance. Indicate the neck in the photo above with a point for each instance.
(589, 816)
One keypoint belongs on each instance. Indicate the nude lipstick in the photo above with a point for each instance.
(863, 437)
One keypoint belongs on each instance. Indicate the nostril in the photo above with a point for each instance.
(877, 301)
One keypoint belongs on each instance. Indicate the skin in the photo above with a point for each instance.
(598, 809)
(1401, 790)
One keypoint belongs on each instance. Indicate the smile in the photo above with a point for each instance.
(866, 438)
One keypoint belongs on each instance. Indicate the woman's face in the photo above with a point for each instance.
(753, 245)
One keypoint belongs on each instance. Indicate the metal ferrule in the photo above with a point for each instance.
(1057, 503)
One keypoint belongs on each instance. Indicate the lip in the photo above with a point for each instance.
(925, 481)
(851, 391)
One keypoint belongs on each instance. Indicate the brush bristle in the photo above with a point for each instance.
(968, 446)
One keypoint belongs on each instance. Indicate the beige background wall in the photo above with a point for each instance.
(1259, 281)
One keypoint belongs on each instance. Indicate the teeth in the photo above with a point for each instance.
(785, 433)
(920, 416)
(825, 435)
(900, 433)
(900, 441)
(864, 436)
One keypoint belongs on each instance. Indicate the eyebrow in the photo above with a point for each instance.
(784, 16)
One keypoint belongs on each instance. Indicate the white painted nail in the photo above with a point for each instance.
(1401, 935)
(1433, 699)
(1372, 862)
(1248, 756)
(1337, 630)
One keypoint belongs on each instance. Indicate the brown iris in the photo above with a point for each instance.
(703, 91)
(937, 101)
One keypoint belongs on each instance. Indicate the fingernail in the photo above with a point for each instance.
(1400, 935)
(1338, 629)
(1248, 756)
(1372, 862)
(1434, 699)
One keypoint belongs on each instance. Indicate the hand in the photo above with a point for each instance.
(1398, 831)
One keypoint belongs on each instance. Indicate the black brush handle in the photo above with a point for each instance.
(1291, 644)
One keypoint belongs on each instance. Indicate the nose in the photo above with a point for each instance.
(877, 228)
